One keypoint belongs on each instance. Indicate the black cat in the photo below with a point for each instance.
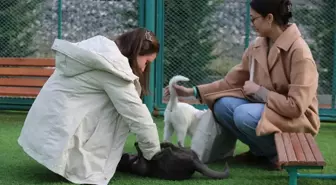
(171, 163)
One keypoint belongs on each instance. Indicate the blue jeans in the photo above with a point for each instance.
(241, 117)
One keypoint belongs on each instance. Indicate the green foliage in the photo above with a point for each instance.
(18, 27)
(222, 65)
(187, 48)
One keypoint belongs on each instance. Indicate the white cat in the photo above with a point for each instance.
(180, 117)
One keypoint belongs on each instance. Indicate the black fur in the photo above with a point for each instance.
(171, 163)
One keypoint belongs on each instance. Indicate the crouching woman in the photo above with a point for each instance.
(273, 89)
(79, 122)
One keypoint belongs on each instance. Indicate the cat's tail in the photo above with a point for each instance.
(173, 96)
(206, 171)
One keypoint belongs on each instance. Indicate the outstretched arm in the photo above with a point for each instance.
(235, 78)
(126, 100)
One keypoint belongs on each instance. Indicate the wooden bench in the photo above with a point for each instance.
(299, 151)
(21, 79)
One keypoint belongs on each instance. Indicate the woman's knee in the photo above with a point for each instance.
(247, 116)
(221, 105)
(226, 105)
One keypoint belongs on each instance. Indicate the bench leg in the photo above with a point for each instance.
(293, 176)
(318, 176)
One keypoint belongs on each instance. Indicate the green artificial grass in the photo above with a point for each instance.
(16, 168)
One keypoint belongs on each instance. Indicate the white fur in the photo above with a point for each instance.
(180, 117)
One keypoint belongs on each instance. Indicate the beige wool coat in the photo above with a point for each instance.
(290, 75)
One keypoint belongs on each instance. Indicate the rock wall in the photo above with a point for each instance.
(82, 19)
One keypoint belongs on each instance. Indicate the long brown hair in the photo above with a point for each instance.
(139, 41)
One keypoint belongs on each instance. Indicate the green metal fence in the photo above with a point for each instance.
(201, 39)
(204, 39)
(28, 28)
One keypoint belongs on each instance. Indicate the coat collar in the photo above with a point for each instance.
(284, 42)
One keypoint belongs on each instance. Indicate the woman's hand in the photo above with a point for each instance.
(250, 87)
(180, 91)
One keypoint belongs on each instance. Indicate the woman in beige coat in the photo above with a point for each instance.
(78, 124)
(273, 89)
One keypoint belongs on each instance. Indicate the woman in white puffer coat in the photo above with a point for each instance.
(79, 122)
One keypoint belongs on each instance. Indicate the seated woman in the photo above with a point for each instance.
(273, 89)
(78, 124)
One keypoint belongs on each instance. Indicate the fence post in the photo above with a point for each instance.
(141, 13)
(159, 60)
(333, 93)
(59, 19)
(247, 23)
(150, 25)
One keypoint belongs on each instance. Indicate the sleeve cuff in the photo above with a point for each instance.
(261, 94)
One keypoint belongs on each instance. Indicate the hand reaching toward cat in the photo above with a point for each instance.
(180, 91)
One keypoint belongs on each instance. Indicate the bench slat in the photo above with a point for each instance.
(297, 148)
(48, 62)
(300, 149)
(22, 82)
(306, 149)
(289, 149)
(8, 71)
(280, 147)
(19, 91)
(316, 151)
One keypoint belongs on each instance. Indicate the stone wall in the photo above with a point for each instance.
(86, 18)
(82, 19)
